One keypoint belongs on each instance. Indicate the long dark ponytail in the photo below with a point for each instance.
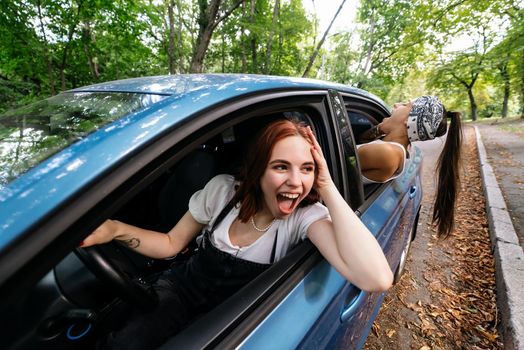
(448, 176)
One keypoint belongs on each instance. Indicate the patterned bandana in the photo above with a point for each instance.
(424, 118)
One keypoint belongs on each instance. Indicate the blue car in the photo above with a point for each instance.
(136, 150)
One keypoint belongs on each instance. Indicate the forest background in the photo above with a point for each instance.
(395, 49)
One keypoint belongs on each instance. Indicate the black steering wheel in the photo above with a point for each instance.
(109, 264)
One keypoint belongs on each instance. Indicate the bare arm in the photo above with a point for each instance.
(345, 241)
(349, 246)
(379, 162)
(150, 243)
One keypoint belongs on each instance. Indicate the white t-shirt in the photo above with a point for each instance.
(399, 172)
(205, 205)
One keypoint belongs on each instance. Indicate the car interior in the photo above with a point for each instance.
(79, 299)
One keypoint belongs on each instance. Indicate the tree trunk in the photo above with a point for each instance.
(278, 59)
(88, 37)
(321, 42)
(522, 88)
(179, 38)
(253, 41)
(243, 57)
(469, 89)
(171, 45)
(223, 53)
(203, 40)
(507, 86)
(472, 104)
(503, 69)
(267, 68)
(522, 98)
(206, 16)
(365, 69)
(71, 32)
(47, 57)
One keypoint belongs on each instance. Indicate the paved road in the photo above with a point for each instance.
(505, 151)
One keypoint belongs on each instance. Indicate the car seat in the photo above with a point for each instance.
(190, 175)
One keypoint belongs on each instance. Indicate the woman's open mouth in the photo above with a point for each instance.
(287, 202)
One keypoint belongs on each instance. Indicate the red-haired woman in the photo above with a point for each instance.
(248, 224)
(383, 156)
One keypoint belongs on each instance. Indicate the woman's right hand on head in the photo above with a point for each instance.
(103, 234)
(324, 177)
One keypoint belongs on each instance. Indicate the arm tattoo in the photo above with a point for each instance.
(132, 242)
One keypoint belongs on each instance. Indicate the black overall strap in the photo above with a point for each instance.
(221, 217)
(223, 214)
(273, 251)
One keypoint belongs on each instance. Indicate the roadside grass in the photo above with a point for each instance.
(513, 128)
(510, 124)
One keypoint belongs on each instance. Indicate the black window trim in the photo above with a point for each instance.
(353, 191)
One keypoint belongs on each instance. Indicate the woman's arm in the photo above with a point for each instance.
(150, 243)
(380, 161)
(345, 241)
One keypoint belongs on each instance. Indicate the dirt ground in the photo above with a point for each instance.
(446, 298)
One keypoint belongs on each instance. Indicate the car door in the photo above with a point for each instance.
(322, 310)
(388, 213)
(388, 210)
(313, 304)
(348, 312)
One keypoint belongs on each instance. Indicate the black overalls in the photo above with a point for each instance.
(187, 290)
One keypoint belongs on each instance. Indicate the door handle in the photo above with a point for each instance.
(412, 192)
(354, 301)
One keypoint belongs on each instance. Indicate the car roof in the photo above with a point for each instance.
(42, 189)
(221, 84)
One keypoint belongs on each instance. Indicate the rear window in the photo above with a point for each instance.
(31, 134)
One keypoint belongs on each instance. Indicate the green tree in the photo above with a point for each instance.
(63, 44)
(392, 39)
(267, 38)
(20, 48)
(211, 13)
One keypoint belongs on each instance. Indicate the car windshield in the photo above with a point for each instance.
(31, 134)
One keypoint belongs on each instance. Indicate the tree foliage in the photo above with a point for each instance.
(394, 48)
(485, 71)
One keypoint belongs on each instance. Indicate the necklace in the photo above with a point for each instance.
(261, 229)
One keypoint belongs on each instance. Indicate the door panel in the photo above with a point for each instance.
(299, 312)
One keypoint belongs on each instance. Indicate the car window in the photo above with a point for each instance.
(31, 134)
(360, 122)
(221, 153)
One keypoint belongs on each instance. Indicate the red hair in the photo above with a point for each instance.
(249, 193)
